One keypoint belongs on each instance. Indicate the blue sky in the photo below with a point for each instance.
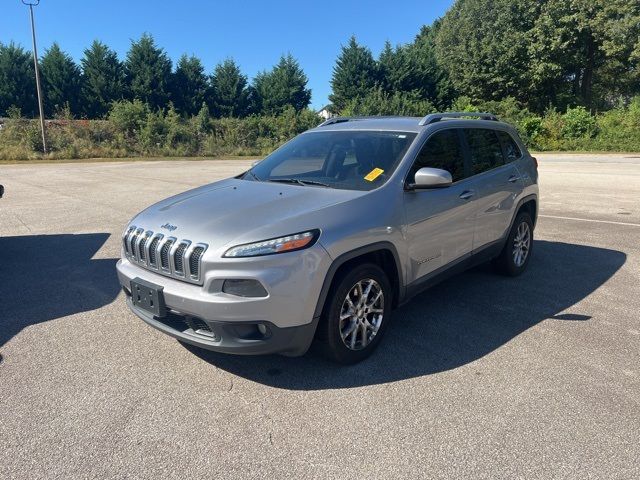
(254, 33)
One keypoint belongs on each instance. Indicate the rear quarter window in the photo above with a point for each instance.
(511, 149)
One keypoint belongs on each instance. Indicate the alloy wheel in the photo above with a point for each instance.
(521, 244)
(361, 314)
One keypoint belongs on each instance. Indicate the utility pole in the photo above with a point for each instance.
(31, 4)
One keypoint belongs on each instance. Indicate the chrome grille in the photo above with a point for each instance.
(178, 258)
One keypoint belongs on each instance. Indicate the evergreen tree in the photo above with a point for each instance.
(60, 81)
(427, 76)
(396, 71)
(354, 75)
(285, 84)
(229, 90)
(17, 80)
(102, 80)
(148, 72)
(189, 85)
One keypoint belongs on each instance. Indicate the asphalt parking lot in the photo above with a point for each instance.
(480, 377)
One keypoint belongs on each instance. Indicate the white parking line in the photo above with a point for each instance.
(591, 220)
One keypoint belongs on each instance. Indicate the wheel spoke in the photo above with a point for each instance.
(365, 335)
(376, 298)
(352, 326)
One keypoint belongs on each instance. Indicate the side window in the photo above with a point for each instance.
(442, 150)
(511, 148)
(485, 149)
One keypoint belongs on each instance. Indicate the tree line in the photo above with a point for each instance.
(565, 73)
(542, 54)
(90, 89)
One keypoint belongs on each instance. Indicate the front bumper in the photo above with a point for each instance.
(232, 337)
(282, 322)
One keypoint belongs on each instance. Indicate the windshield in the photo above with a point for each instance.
(350, 160)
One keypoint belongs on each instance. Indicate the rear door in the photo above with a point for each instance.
(440, 222)
(497, 182)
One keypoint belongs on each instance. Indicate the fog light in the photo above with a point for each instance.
(262, 328)
(244, 288)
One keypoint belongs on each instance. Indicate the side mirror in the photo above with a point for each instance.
(431, 178)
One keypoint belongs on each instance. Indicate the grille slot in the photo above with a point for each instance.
(143, 241)
(164, 254)
(178, 257)
(125, 240)
(194, 262)
(152, 251)
(132, 242)
(172, 257)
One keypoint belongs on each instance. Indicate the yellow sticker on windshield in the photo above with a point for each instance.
(373, 174)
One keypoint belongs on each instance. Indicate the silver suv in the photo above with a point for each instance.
(325, 236)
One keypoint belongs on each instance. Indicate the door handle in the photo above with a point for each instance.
(513, 178)
(466, 195)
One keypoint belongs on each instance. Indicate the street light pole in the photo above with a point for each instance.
(31, 4)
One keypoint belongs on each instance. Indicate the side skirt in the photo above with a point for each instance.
(477, 257)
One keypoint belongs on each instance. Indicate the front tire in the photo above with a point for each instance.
(515, 255)
(356, 314)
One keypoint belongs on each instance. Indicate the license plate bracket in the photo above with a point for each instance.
(148, 297)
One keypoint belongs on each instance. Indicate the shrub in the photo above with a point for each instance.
(578, 123)
(128, 117)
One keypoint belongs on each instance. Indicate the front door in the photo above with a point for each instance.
(440, 222)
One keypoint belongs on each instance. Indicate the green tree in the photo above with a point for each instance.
(60, 81)
(102, 80)
(427, 75)
(355, 74)
(17, 80)
(229, 90)
(548, 52)
(483, 46)
(189, 85)
(285, 84)
(396, 71)
(148, 72)
(586, 52)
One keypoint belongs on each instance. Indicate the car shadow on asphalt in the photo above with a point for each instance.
(452, 324)
(44, 277)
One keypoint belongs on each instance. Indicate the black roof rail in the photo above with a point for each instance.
(334, 120)
(436, 117)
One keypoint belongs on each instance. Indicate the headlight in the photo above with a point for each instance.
(289, 243)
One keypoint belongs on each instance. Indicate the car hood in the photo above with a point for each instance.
(234, 211)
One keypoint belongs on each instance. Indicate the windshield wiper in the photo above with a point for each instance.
(298, 181)
(253, 175)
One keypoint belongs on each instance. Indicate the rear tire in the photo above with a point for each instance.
(355, 315)
(515, 255)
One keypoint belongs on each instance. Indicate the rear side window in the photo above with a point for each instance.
(443, 151)
(485, 149)
(511, 149)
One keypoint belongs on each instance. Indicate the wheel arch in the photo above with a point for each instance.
(383, 254)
